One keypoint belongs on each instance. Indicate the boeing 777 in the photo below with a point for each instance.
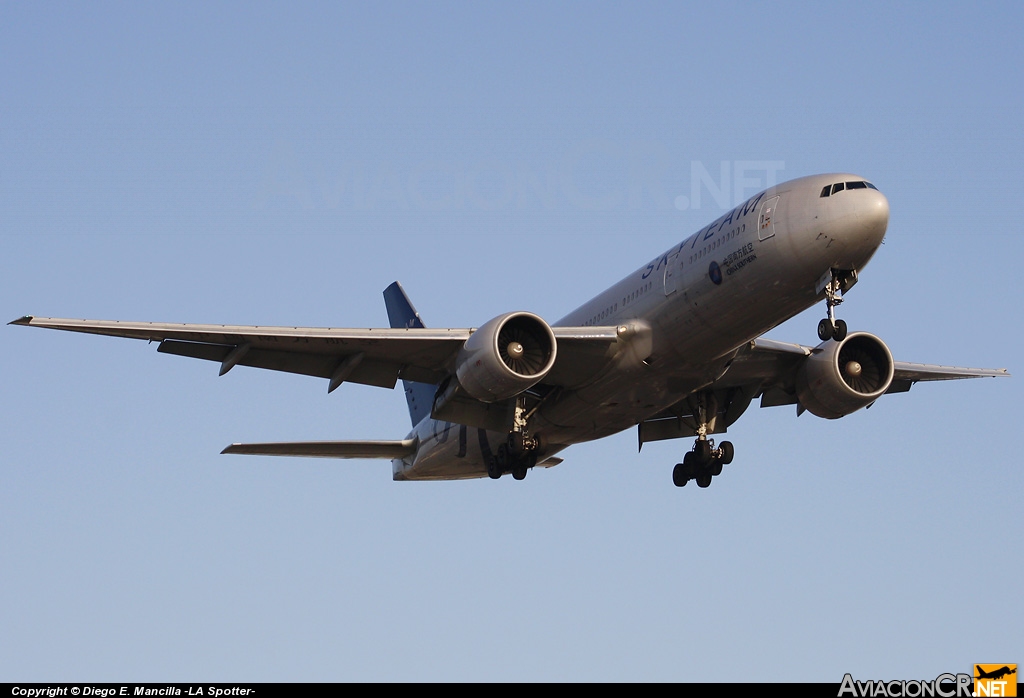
(674, 349)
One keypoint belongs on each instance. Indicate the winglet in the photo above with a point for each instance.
(24, 320)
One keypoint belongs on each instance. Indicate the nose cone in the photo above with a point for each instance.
(859, 225)
(873, 211)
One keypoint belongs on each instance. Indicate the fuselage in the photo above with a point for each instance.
(695, 305)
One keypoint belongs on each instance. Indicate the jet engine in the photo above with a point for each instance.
(506, 356)
(841, 377)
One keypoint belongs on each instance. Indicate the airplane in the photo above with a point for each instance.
(996, 674)
(674, 349)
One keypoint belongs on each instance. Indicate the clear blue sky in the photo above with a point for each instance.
(268, 164)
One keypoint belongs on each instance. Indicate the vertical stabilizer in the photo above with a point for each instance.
(402, 314)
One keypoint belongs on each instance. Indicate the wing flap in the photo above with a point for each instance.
(381, 374)
(328, 449)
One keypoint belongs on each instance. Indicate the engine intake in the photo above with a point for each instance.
(839, 378)
(506, 356)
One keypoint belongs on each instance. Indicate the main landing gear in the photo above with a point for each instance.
(830, 328)
(519, 453)
(507, 459)
(702, 463)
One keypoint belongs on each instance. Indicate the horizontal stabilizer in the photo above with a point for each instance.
(328, 449)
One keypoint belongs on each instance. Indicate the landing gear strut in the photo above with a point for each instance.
(702, 463)
(840, 282)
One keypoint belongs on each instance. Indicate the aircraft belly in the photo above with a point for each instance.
(618, 401)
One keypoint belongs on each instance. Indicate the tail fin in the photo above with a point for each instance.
(402, 314)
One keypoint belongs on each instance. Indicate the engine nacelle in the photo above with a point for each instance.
(506, 356)
(841, 377)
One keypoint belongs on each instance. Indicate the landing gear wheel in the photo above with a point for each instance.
(704, 480)
(702, 450)
(726, 452)
(493, 471)
(839, 333)
(680, 476)
(519, 472)
(499, 461)
(716, 467)
(826, 330)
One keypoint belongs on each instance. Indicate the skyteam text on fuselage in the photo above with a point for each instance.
(674, 349)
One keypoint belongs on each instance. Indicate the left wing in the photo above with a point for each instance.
(375, 356)
(775, 363)
(768, 369)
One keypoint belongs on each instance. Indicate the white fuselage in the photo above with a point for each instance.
(696, 305)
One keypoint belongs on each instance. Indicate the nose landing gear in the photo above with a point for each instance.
(838, 284)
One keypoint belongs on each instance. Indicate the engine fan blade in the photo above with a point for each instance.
(860, 369)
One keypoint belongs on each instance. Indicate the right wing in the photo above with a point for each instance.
(375, 356)
(369, 356)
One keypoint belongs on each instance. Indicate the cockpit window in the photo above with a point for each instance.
(832, 189)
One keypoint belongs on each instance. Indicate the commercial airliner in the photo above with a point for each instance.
(674, 349)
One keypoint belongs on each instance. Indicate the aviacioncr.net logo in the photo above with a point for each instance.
(943, 686)
(995, 680)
